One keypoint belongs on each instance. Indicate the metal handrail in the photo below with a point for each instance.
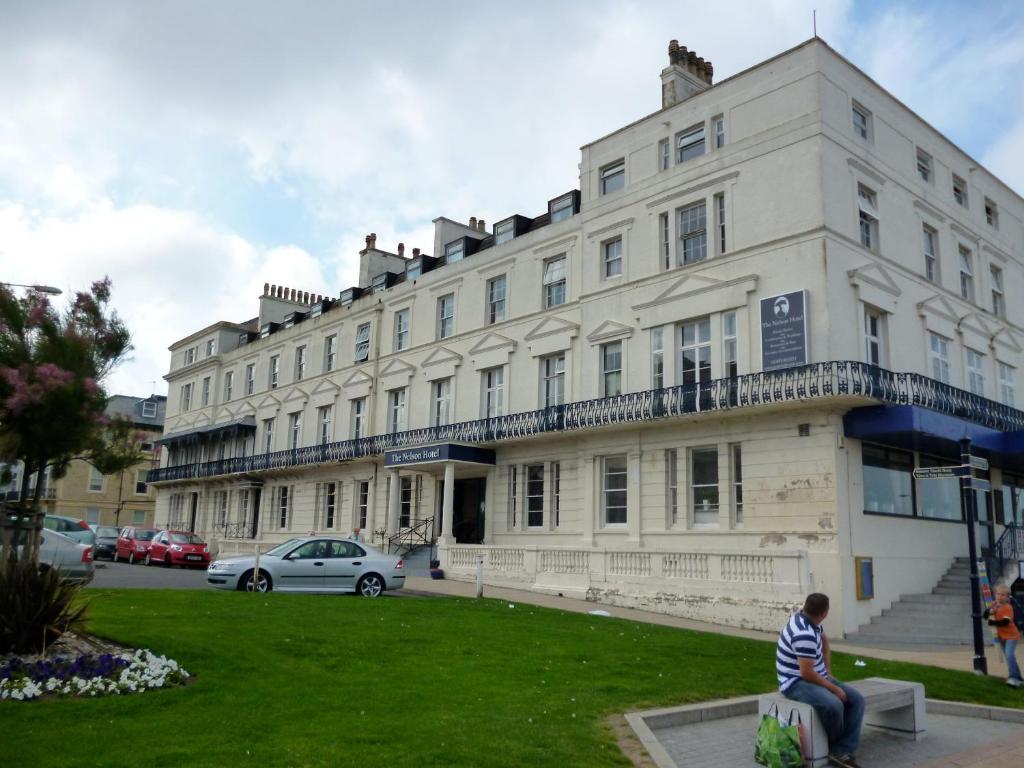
(844, 378)
(1009, 548)
(413, 537)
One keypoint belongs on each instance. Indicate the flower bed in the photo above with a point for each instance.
(88, 675)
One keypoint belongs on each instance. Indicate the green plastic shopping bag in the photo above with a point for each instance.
(778, 741)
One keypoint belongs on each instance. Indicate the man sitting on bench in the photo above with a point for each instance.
(804, 667)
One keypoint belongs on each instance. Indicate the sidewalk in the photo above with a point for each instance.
(949, 657)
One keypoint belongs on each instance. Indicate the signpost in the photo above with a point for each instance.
(968, 485)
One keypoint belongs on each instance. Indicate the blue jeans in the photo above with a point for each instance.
(842, 721)
(1010, 652)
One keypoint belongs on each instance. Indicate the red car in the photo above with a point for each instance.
(133, 544)
(178, 548)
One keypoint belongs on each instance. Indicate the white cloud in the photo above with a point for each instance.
(173, 273)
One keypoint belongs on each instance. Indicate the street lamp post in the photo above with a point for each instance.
(48, 289)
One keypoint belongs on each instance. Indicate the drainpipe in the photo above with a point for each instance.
(371, 426)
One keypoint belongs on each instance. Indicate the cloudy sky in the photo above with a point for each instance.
(195, 150)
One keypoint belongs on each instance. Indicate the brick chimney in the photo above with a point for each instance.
(685, 75)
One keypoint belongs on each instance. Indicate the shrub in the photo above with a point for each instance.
(36, 605)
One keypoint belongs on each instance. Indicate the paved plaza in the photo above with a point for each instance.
(950, 741)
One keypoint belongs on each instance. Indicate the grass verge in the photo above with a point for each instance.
(303, 680)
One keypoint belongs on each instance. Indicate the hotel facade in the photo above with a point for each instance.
(698, 384)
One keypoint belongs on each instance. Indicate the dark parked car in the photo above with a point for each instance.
(106, 541)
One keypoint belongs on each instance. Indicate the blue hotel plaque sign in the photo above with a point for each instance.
(440, 452)
(784, 330)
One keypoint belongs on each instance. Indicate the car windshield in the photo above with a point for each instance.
(186, 538)
(144, 535)
(106, 532)
(281, 549)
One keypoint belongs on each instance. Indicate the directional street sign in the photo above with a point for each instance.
(979, 463)
(937, 473)
(977, 484)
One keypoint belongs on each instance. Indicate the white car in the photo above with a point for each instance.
(312, 564)
(71, 558)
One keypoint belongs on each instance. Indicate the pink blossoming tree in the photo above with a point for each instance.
(52, 365)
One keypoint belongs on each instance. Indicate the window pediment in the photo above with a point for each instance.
(609, 330)
(550, 326)
(492, 341)
(357, 379)
(441, 355)
(875, 275)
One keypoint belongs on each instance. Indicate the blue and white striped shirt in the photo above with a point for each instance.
(800, 638)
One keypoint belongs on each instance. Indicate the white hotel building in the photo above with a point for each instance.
(590, 398)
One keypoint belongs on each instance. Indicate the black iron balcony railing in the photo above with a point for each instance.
(806, 382)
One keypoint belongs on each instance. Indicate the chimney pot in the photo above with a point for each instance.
(472, 222)
(401, 249)
(266, 289)
(481, 225)
(372, 241)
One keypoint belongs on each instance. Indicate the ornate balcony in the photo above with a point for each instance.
(817, 381)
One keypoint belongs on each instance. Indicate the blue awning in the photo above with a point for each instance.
(241, 424)
(919, 429)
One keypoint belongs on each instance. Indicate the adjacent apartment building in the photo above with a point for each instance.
(700, 383)
(83, 492)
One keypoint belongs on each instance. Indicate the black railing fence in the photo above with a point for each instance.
(806, 382)
(1009, 548)
(417, 535)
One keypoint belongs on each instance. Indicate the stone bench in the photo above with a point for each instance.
(891, 704)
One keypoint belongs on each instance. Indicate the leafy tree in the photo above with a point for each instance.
(52, 401)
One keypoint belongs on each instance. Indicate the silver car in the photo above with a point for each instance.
(312, 564)
(71, 558)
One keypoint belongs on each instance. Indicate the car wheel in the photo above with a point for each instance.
(167, 561)
(114, 558)
(263, 584)
(371, 585)
(148, 560)
(131, 558)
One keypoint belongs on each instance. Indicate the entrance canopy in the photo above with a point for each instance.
(439, 454)
(912, 427)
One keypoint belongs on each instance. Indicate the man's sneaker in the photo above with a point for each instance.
(846, 761)
(1014, 682)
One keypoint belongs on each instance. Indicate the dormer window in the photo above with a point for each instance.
(690, 144)
(349, 295)
(504, 231)
(413, 269)
(454, 252)
(561, 209)
(613, 177)
(148, 409)
(379, 283)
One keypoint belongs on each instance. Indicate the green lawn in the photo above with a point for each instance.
(296, 680)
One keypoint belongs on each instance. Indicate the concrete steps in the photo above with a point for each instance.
(941, 617)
